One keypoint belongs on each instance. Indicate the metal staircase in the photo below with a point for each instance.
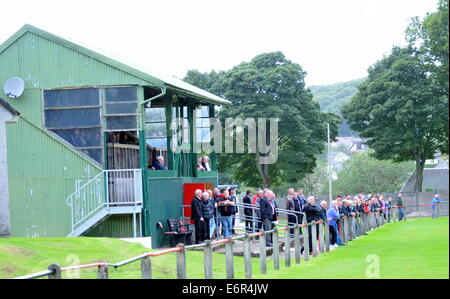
(111, 192)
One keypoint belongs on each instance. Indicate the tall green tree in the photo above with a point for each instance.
(271, 86)
(430, 36)
(401, 110)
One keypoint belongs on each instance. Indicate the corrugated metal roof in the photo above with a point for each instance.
(435, 178)
(137, 69)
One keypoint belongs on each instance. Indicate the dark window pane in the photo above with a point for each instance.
(121, 122)
(71, 97)
(81, 137)
(67, 118)
(121, 108)
(120, 94)
(95, 154)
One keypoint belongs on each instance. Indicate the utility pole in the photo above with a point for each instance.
(330, 196)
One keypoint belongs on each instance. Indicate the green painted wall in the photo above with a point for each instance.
(165, 196)
(115, 226)
(42, 173)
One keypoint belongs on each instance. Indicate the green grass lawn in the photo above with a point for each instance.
(417, 248)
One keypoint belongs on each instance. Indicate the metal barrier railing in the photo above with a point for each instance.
(320, 244)
(253, 219)
(110, 188)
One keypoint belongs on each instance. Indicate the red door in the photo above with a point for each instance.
(188, 195)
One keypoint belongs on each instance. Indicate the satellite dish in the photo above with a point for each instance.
(14, 87)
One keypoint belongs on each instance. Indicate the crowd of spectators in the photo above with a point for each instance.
(214, 212)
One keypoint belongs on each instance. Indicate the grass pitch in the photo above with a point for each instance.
(417, 248)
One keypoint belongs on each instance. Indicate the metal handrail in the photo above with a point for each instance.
(50, 272)
(92, 205)
(81, 187)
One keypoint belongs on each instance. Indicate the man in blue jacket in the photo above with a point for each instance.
(333, 215)
(436, 200)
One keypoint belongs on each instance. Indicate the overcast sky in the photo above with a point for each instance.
(333, 40)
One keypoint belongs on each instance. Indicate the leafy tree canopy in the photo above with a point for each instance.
(430, 36)
(401, 110)
(271, 86)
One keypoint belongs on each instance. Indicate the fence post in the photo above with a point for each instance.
(262, 253)
(327, 235)
(102, 271)
(276, 249)
(344, 229)
(287, 248)
(229, 258)
(181, 262)
(361, 224)
(321, 239)
(306, 240)
(367, 222)
(146, 268)
(253, 221)
(364, 223)
(207, 260)
(56, 271)
(340, 222)
(247, 257)
(297, 243)
(374, 220)
(351, 223)
(348, 227)
(314, 238)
